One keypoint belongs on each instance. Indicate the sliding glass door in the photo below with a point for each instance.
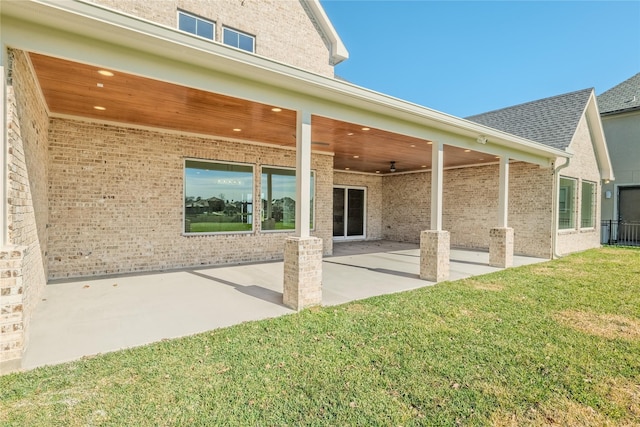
(349, 210)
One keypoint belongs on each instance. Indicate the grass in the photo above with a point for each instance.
(214, 227)
(556, 343)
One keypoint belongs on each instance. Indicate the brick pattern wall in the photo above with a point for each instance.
(373, 184)
(406, 206)
(470, 206)
(531, 208)
(27, 215)
(283, 29)
(583, 166)
(302, 272)
(116, 201)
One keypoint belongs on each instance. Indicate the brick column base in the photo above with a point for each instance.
(302, 272)
(435, 252)
(12, 338)
(501, 247)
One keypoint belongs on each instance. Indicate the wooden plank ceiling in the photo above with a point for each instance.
(74, 89)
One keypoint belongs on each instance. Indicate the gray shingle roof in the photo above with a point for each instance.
(624, 96)
(550, 121)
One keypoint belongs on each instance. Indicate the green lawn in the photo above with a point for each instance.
(216, 227)
(556, 343)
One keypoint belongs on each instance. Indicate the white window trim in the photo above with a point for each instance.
(315, 187)
(594, 205)
(239, 32)
(184, 195)
(576, 218)
(193, 15)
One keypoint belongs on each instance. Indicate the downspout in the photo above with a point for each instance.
(554, 217)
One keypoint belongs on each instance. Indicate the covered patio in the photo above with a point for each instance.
(84, 317)
(105, 135)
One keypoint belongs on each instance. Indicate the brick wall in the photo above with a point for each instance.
(470, 206)
(116, 201)
(583, 166)
(373, 184)
(406, 206)
(284, 30)
(24, 261)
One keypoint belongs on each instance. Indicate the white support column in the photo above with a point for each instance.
(501, 237)
(302, 285)
(437, 171)
(303, 173)
(503, 197)
(435, 243)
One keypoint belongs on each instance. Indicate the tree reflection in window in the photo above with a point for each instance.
(278, 188)
(218, 197)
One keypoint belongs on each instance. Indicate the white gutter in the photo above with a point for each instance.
(555, 208)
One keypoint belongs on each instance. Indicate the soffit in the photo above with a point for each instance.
(74, 89)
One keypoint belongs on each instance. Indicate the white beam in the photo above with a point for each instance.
(437, 171)
(303, 173)
(503, 197)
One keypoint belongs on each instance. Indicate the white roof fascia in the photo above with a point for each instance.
(338, 50)
(596, 130)
(96, 22)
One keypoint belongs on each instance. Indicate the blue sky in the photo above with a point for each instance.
(469, 57)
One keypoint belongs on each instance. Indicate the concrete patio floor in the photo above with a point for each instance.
(83, 317)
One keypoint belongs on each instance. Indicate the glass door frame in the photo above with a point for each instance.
(344, 236)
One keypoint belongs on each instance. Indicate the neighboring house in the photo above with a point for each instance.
(146, 136)
(620, 113)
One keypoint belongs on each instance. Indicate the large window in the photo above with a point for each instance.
(566, 205)
(237, 39)
(278, 188)
(218, 197)
(196, 25)
(588, 205)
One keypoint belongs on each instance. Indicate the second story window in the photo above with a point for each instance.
(237, 39)
(196, 25)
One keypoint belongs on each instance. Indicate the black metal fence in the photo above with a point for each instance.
(620, 233)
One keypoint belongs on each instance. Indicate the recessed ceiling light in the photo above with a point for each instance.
(356, 157)
(423, 166)
(99, 85)
(276, 109)
(237, 130)
(99, 107)
(365, 129)
(497, 157)
(105, 73)
(346, 169)
(413, 145)
(467, 151)
(429, 142)
(377, 171)
(350, 133)
(480, 158)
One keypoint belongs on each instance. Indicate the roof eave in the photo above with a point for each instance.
(90, 20)
(339, 51)
(600, 144)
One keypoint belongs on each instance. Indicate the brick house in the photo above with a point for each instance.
(142, 136)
